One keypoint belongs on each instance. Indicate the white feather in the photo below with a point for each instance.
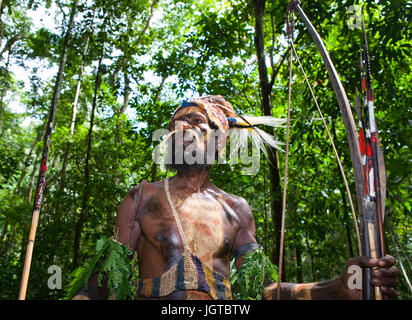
(269, 139)
(264, 120)
(239, 138)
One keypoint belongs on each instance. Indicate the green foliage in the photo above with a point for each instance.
(154, 57)
(112, 262)
(248, 282)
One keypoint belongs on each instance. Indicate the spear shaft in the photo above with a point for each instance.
(41, 182)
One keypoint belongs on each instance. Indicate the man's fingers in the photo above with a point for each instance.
(386, 261)
(385, 282)
(389, 291)
(364, 261)
(385, 272)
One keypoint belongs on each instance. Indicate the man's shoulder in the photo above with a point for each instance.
(240, 207)
(236, 202)
(229, 197)
(144, 187)
(137, 197)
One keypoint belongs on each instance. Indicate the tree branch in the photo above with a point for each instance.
(11, 42)
(149, 19)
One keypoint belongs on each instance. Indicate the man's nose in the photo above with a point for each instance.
(182, 125)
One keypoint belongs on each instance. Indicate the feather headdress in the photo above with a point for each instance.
(239, 128)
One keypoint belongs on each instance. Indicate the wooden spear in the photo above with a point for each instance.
(41, 182)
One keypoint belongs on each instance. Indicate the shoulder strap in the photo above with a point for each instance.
(139, 198)
(179, 225)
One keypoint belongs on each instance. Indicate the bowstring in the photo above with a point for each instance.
(285, 179)
(290, 29)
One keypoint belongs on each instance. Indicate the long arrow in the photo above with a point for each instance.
(376, 177)
(354, 147)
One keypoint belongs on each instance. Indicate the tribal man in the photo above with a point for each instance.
(186, 230)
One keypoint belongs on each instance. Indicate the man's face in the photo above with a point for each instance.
(194, 144)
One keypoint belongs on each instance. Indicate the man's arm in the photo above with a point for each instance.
(329, 289)
(384, 275)
(384, 272)
(246, 237)
(245, 240)
(127, 231)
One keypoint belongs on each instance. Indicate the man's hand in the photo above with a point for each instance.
(80, 297)
(384, 275)
(94, 291)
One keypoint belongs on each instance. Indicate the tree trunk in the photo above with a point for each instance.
(73, 118)
(265, 89)
(2, 6)
(126, 92)
(10, 42)
(119, 120)
(119, 65)
(86, 192)
(152, 7)
(62, 180)
(159, 122)
(2, 95)
(299, 275)
(312, 264)
(265, 92)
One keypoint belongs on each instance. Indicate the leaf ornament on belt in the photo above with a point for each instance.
(366, 154)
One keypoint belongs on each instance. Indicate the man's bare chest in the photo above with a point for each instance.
(207, 223)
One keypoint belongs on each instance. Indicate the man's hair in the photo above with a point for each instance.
(216, 100)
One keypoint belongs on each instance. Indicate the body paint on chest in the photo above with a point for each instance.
(202, 221)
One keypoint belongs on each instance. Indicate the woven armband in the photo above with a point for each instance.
(245, 248)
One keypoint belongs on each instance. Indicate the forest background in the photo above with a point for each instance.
(131, 63)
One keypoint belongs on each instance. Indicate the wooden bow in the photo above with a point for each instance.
(370, 208)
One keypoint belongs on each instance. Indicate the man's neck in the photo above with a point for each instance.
(196, 180)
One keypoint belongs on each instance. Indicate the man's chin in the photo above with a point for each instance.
(206, 160)
(185, 167)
